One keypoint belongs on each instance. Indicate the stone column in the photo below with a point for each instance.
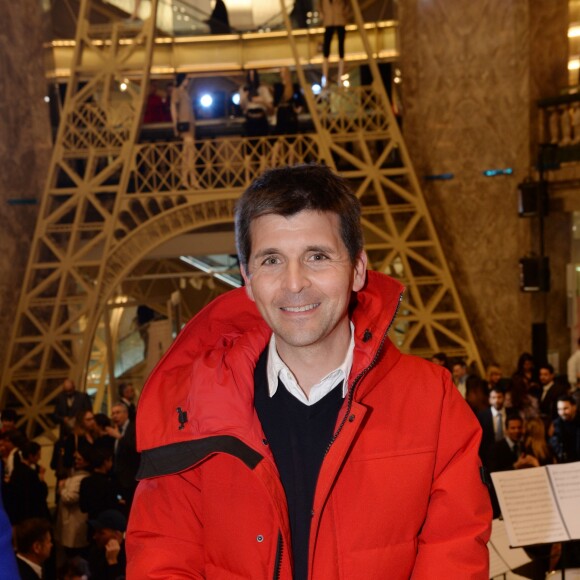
(25, 146)
(472, 72)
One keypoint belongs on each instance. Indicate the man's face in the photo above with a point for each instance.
(494, 377)
(566, 410)
(103, 535)
(496, 400)
(89, 422)
(459, 371)
(119, 414)
(42, 549)
(68, 386)
(129, 392)
(300, 276)
(546, 377)
(515, 430)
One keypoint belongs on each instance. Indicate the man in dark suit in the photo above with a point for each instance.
(565, 440)
(33, 547)
(126, 458)
(505, 453)
(550, 393)
(127, 394)
(67, 404)
(492, 422)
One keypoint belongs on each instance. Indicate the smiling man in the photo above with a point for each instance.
(285, 436)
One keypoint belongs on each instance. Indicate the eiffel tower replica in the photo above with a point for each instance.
(110, 200)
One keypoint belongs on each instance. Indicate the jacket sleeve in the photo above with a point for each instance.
(453, 540)
(165, 533)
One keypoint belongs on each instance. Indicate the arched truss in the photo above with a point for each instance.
(109, 200)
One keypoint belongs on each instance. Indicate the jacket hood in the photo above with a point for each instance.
(204, 386)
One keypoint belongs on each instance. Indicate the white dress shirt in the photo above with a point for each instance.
(277, 369)
(574, 368)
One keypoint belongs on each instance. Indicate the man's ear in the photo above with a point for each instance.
(247, 281)
(360, 271)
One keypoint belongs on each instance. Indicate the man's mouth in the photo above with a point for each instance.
(299, 308)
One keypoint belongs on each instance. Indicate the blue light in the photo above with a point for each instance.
(206, 101)
(236, 99)
(496, 172)
(316, 88)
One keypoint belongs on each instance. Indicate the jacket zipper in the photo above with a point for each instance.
(361, 375)
(278, 561)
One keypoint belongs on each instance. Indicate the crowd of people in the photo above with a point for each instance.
(95, 463)
(528, 420)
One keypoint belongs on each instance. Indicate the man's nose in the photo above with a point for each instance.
(296, 276)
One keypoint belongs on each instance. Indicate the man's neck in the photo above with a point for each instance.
(312, 363)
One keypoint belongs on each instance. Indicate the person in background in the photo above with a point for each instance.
(440, 358)
(335, 16)
(107, 559)
(33, 544)
(8, 419)
(219, 22)
(68, 403)
(257, 104)
(565, 440)
(127, 396)
(535, 449)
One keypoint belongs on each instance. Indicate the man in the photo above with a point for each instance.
(492, 421)
(8, 418)
(550, 392)
(127, 394)
(67, 404)
(126, 457)
(459, 374)
(505, 453)
(33, 546)
(565, 440)
(107, 559)
(27, 491)
(285, 436)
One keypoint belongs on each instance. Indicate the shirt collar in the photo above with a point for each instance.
(277, 369)
(37, 569)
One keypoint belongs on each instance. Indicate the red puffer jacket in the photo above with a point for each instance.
(399, 493)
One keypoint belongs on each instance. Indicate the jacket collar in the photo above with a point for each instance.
(204, 386)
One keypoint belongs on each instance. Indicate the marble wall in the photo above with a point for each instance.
(25, 146)
(471, 74)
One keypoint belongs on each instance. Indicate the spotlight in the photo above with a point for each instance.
(47, 99)
(316, 88)
(206, 101)
(123, 86)
(236, 99)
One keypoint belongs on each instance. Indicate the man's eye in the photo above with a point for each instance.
(318, 257)
(270, 261)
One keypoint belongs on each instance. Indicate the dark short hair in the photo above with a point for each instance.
(29, 448)
(29, 531)
(510, 418)
(97, 455)
(567, 399)
(102, 420)
(547, 366)
(497, 389)
(286, 191)
(458, 361)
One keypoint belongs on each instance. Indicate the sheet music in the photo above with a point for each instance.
(497, 567)
(513, 557)
(528, 507)
(566, 482)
